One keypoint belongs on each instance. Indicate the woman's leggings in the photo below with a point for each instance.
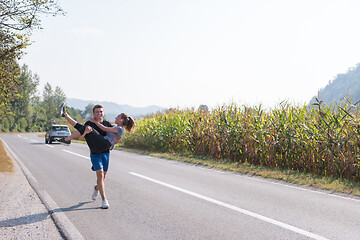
(96, 142)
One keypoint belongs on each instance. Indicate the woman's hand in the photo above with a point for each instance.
(88, 129)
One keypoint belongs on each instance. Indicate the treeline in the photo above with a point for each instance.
(18, 18)
(342, 87)
(31, 111)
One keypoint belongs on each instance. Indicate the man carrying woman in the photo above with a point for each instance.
(101, 137)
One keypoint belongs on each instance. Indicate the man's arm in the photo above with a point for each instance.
(102, 127)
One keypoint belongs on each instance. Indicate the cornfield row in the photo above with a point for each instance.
(322, 139)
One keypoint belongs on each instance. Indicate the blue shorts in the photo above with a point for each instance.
(100, 161)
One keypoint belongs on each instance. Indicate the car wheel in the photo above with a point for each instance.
(46, 141)
(50, 141)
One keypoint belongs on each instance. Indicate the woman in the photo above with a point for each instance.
(103, 143)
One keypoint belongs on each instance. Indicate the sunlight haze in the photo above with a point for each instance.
(187, 53)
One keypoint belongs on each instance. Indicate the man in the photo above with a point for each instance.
(99, 160)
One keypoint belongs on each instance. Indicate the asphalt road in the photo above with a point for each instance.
(153, 198)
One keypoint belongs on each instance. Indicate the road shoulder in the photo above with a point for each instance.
(23, 216)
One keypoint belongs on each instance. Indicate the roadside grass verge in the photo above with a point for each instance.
(290, 176)
(6, 164)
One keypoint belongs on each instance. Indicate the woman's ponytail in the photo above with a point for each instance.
(129, 122)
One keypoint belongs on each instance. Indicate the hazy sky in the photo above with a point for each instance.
(183, 53)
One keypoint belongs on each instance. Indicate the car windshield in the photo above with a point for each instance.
(59, 128)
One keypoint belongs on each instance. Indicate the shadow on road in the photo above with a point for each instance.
(54, 143)
(29, 219)
(33, 218)
(75, 208)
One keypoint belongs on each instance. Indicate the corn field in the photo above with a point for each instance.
(321, 139)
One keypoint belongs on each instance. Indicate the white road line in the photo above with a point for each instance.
(240, 210)
(48, 146)
(336, 194)
(76, 154)
(308, 190)
(21, 137)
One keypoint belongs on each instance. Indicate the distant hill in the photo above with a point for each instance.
(113, 109)
(344, 85)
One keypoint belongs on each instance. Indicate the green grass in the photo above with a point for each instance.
(6, 164)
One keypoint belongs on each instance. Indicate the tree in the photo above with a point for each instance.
(10, 51)
(49, 101)
(18, 18)
(28, 83)
(88, 112)
(21, 117)
(59, 96)
(39, 118)
(5, 125)
(32, 113)
(343, 86)
(203, 108)
(22, 15)
(52, 99)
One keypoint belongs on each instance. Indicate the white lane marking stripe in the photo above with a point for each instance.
(76, 154)
(22, 137)
(335, 194)
(240, 210)
(309, 190)
(48, 146)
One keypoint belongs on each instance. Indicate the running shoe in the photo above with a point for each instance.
(95, 193)
(62, 110)
(62, 140)
(105, 204)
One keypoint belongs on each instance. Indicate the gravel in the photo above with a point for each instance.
(22, 214)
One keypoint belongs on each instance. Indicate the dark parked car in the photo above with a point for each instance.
(56, 132)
